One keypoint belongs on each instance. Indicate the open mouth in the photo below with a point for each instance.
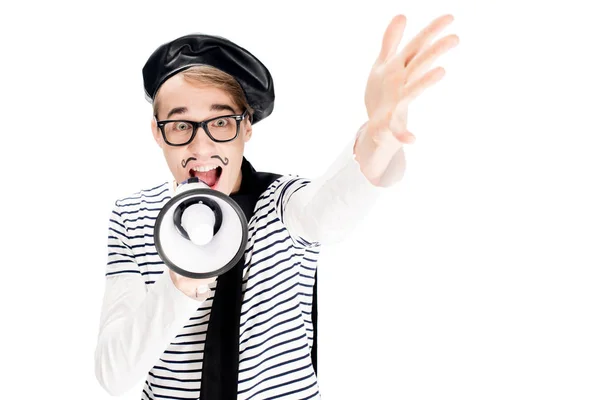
(211, 178)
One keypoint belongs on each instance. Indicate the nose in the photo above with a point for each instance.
(202, 146)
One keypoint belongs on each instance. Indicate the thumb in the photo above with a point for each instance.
(405, 137)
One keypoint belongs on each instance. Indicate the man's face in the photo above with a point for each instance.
(179, 99)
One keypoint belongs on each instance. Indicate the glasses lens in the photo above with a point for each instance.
(178, 132)
(223, 128)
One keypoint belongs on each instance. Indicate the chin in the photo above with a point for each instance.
(224, 187)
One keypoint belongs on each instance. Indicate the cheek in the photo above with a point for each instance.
(173, 159)
(234, 154)
(230, 152)
(236, 151)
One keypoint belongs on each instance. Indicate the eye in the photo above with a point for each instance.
(220, 123)
(182, 126)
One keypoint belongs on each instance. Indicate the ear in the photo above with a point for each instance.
(156, 133)
(247, 130)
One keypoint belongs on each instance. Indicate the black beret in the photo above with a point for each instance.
(199, 49)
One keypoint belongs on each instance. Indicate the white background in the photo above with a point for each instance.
(477, 277)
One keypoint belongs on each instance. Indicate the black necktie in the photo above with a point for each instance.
(221, 350)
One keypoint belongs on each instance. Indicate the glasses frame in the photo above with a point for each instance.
(204, 124)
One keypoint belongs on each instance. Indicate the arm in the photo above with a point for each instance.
(330, 207)
(136, 325)
(327, 209)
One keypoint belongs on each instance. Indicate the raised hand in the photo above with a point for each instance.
(396, 79)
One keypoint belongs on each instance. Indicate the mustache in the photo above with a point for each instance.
(185, 162)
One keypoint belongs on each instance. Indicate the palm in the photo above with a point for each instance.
(377, 99)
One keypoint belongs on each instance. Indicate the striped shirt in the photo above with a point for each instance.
(151, 329)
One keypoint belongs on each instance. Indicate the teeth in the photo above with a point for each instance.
(205, 168)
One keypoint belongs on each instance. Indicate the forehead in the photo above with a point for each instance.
(180, 92)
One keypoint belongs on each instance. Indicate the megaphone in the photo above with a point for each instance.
(200, 232)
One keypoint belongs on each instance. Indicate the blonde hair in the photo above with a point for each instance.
(208, 75)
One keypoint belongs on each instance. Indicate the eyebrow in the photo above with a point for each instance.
(213, 107)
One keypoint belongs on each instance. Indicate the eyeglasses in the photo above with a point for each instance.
(224, 128)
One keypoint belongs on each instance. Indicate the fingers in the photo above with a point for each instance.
(418, 44)
(425, 37)
(423, 61)
(194, 288)
(392, 37)
(414, 89)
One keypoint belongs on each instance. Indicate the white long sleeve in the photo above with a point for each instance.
(327, 209)
(136, 325)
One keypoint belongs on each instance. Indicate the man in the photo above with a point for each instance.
(252, 335)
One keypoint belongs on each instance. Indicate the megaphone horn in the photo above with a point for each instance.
(200, 233)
